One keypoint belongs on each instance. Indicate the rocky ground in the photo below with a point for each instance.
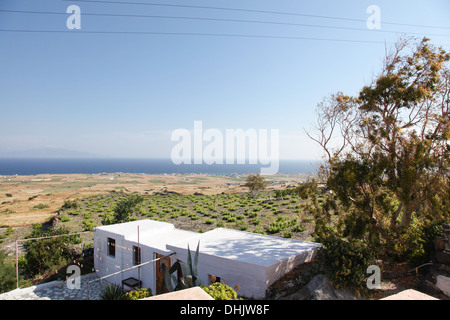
(303, 283)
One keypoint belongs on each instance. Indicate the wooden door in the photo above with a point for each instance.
(159, 272)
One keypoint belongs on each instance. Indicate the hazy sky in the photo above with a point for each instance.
(121, 92)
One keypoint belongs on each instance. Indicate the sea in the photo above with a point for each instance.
(33, 166)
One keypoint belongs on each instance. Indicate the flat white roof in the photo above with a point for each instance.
(244, 246)
(152, 233)
(130, 229)
(231, 244)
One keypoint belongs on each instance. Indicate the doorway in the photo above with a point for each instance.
(159, 272)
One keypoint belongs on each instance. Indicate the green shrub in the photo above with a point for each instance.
(298, 228)
(220, 291)
(7, 273)
(162, 214)
(259, 230)
(88, 224)
(41, 206)
(47, 254)
(288, 234)
(87, 215)
(242, 226)
(278, 226)
(125, 207)
(231, 219)
(416, 244)
(138, 294)
(220, 224)
(345, 262)
(185, 212)
(112, 292)
(70, 204)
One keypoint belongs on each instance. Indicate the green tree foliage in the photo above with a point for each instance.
(70, 204)
(47, 254)
(125, 207)
(391, 167)
(7, 273)
(255, 184)
(345, 262)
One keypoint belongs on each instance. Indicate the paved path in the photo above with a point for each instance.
(58, 290)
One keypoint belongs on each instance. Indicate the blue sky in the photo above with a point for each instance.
(122, 94)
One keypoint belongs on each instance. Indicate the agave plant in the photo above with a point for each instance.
(189, 270)
(112, 292)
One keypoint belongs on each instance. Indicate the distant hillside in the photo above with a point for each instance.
(46, 153)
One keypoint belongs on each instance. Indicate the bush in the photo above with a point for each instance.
(47, 254)
(298, 228)
(345, 262)
(220, 291)
(88, 224)
(287, 234)
(416, 244)
(125, 207)
(7, 273)
(70, 204)
(138, 294)
(112, 292)
(41, 206)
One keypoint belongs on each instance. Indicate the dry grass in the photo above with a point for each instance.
(20, 194)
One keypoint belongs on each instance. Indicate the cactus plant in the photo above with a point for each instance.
(189, 270)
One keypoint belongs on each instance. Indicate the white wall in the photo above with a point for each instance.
(249, 260)
(250, 278)
(105, 264)
(277, 270)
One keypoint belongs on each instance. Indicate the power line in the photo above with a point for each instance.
(253, 11)
(220, 20)
(191, 34)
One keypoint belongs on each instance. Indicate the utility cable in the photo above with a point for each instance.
(251, 10)
(222, 20)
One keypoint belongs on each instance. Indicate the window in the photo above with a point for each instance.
(136, 255)
(111, 247)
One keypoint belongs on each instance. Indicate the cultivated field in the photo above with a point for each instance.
(27, 200)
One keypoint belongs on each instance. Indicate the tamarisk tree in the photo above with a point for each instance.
(387, 149)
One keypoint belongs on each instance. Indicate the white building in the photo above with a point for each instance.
(250, 260)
